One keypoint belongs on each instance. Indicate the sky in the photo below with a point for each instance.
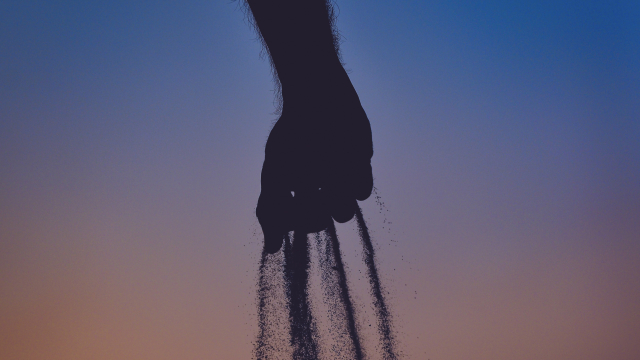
(507, 168)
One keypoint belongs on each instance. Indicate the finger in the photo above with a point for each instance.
(343, 209)
(274, 208)
(342, 205)
(353, 179)
(362, 181)
(310, 211)
(273, 212)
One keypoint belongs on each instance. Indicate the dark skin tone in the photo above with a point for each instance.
(320, 149)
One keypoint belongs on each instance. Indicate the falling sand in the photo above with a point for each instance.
(287, 329)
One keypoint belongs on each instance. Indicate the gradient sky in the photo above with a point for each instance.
(507, 155)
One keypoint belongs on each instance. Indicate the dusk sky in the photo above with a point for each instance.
(507, 164)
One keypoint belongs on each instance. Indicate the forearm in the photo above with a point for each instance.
(299, 39)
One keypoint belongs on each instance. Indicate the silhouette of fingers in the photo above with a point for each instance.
(310, 211)
(340, 196)
(273, 212)
(362, 181)
(342, 207)
(275, 206)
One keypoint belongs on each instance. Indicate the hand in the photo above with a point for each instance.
(317, 161)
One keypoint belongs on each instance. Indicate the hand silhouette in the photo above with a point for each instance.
(317, 160)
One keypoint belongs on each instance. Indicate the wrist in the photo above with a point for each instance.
(315, 82)
(304, 67)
